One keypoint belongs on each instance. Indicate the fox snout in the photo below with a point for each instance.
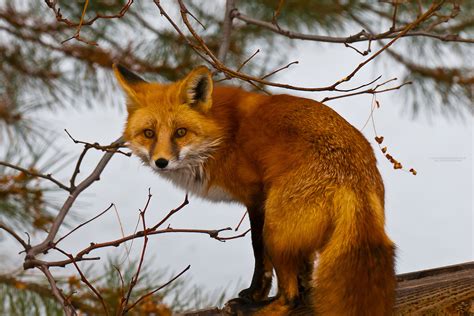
(161, 163)
(158, 160)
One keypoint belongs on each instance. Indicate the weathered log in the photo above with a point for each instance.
(440, 291)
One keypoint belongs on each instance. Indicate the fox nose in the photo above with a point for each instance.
(161, 163)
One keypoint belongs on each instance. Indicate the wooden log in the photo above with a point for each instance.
(442, 291)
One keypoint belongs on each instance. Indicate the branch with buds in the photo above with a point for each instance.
(203, 50)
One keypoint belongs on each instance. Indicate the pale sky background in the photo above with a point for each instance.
(428, 216)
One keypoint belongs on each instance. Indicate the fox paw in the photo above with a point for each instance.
(253, 295)
(273, 309)
(240, 306)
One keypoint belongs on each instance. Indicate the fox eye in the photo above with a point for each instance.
(180, 132)
(149, 133)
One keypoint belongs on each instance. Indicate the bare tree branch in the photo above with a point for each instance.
(157, 289)
(59, 263)
(248, 59)
(134, 280)
(441, 74)
(280, 69)
(59, 17)
(94, 176)
(114, 147)
(77, 35)
(368, 91)
(9, 230)
(173, 211)
(204, 52)
(84, 279)
(226, 30)
(85, 223)
(35, 174)
(359, 37)
(235, 237)
(68, 308)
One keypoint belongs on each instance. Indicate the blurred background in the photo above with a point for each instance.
(47, 86)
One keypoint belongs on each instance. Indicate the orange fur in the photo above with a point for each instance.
(308, 178)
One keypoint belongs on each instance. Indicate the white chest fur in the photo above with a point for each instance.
(198, 186)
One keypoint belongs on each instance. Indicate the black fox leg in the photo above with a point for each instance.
(262, 274)
(305, 277)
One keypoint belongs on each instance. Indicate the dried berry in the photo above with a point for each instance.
(379, 139)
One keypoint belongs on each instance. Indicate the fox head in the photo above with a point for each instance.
(168, 125)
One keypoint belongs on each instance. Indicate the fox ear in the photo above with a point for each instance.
(196, 89)
(128, 80)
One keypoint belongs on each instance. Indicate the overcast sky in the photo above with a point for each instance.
(429, 216)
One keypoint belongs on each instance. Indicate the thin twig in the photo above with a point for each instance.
(361, 86)
(156, 290)
(68, 308)
(173, 211)
(234, 237)
(134, 280)
(59, 17)
(94, 176)
(364, 53)
(372, 108)
(240, 67)
(84, 279)
(213, 233)
(77, 35)
(60, 263)
(279, 69)
(394, 16)
(122, 290)
(204, 52)
(85, 223)
(434, 7)
(367, 91)
(226, 30)
(197, 20)
(115, 243)
(77, 168)
(247, 60)
(277, 12)
(241, 220)
(114, 147)
(25, 245)
(359, 37)
(36, 175)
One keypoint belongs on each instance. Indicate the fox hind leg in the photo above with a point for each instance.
(295, 228)
(286, 269)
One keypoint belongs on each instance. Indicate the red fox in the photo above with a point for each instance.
(307, 177)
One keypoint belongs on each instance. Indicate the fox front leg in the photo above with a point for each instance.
(262, 274)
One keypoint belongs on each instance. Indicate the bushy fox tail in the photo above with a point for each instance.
(355, 273)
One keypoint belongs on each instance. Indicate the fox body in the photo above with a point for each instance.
(307, 177)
